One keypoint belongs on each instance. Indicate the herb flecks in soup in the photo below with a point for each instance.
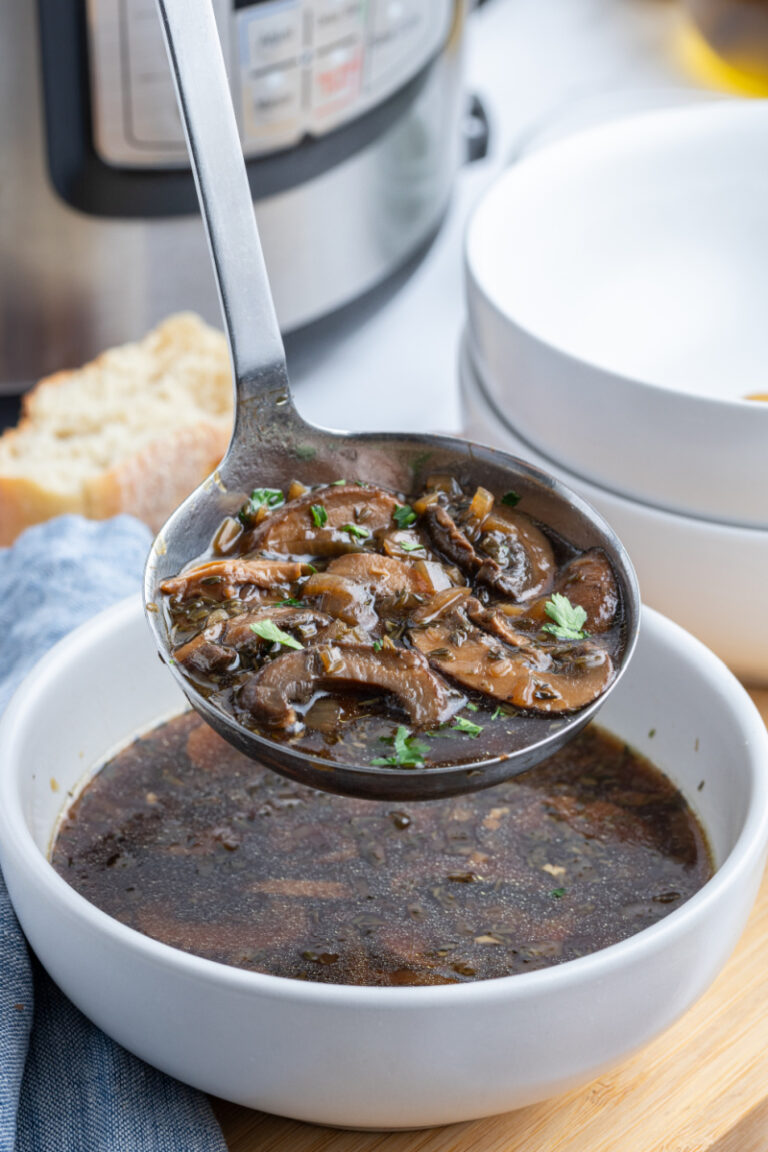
(370, 627)
(185, 839)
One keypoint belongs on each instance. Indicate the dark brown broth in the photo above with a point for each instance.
(188, 841)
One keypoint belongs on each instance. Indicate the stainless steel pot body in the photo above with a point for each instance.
(75, 278)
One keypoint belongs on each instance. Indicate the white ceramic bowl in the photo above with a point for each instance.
(708, 577)
(616, 283)
(379, 1057)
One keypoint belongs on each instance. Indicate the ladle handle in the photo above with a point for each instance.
(216, 155)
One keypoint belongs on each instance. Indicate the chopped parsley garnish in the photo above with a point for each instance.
(377, 645)
(462, 724)
(272, 497)
(511, 499)
(319, 515)
(337, 483)
(473, 707)
(557, 893)
(260, 498)
(356, 531)
(404, 515)
(290, 602)
(410, 545)
(268, 630)
(408, 751)
(568, 618)
(461, 727)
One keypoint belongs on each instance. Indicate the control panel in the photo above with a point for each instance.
(297, 68)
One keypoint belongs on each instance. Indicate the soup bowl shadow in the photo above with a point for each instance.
(363, 1057)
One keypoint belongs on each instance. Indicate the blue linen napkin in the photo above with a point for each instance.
(64, 1085)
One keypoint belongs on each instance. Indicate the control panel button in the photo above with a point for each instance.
(153, 116)
(273, 34)
(400, 35)
(336, 80)
(135, 118)
(336, 20)
(271, 111)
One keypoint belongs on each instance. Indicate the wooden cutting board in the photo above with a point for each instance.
(701, 1087)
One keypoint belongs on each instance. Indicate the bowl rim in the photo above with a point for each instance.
(573, 142)
(468, 367)
(18, 846)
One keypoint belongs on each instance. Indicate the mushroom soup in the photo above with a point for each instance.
(368, 627)
(192, 843)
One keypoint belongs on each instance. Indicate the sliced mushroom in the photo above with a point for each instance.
(223, 579)
(343, 599)
(520, 560)
(295, 677)
(440, 604)
(202, 656)
(496, 622)
(538, 679)
(371, 580)
(404, 544)
(587, 581)
(351, 515)
(512, 556)
(384, 575)
(449, 539)
(214, 649)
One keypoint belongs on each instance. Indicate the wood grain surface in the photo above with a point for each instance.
(700, 1087)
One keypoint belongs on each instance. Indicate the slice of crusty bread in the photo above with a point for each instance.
(133, 431)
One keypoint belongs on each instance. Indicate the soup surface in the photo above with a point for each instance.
(185, 839)
(368, 627)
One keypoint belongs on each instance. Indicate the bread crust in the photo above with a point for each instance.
(102, 439)
(24, 502)
(175, 466)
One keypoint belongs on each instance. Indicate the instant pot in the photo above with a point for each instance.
(349, 113)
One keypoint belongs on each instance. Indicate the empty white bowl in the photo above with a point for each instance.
(616, 287)
(379, 1057)
(708, 577)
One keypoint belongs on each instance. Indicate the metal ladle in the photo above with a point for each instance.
(272, 445)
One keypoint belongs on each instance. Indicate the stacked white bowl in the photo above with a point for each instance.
(617, 327)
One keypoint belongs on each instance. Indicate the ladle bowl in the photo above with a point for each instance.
(272, 446)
